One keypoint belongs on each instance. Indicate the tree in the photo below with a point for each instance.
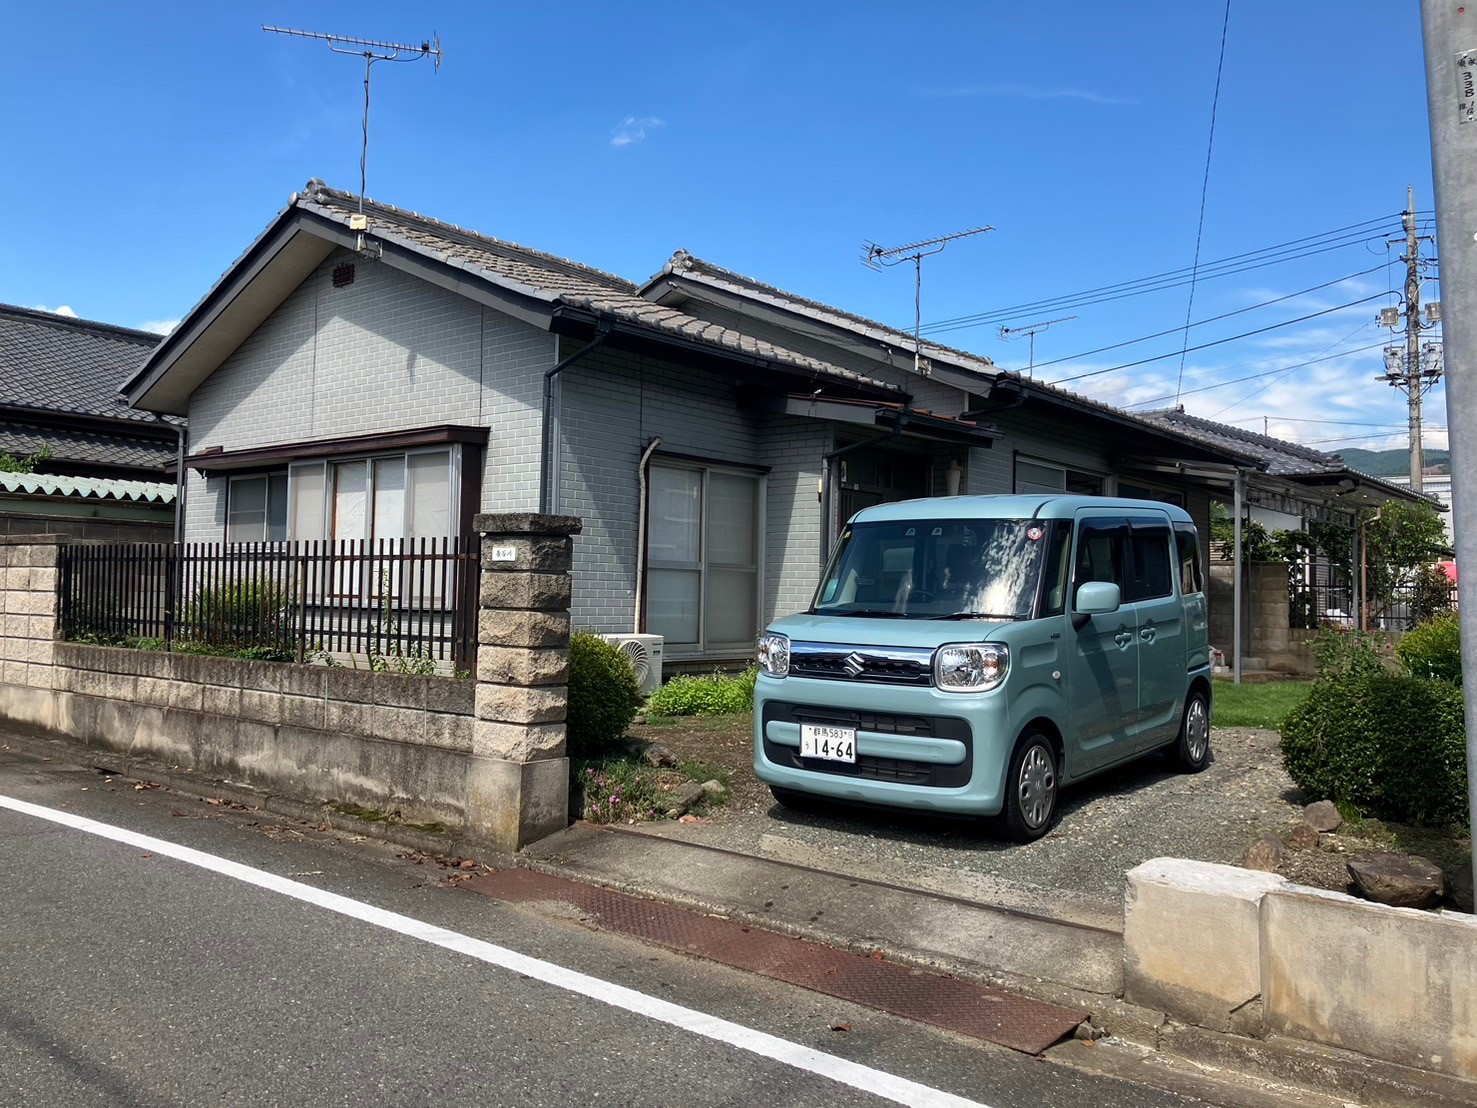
(1397, 545)
(11, 464)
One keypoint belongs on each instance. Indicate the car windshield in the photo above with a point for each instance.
(934, 569)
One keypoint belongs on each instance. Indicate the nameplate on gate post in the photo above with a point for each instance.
(504, 554)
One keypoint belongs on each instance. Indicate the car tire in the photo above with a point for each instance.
(1192, 748)
(1031, 789)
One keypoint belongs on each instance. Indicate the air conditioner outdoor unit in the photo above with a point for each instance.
(644, 652)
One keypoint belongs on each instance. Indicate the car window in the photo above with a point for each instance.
(1100, 551)
(1152, 578)
(1054, 573)
(1192, 579)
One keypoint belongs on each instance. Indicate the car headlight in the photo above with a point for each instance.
(774, 654)
(970, 666)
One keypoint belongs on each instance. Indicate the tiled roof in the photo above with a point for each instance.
(555, 280)
(82, 488)
(65, 364)
(683, 264)
(21, 440)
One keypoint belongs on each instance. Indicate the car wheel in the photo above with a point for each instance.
(1192, 749)
(1031, 789)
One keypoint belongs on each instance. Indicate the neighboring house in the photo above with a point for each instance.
(712, 432)
(106, 470)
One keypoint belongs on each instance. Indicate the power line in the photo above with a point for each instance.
(1204, 189)
(1258, 376)
(1269, 384)
(1293, 250)
(1335, 422)
(1221, 342)
(1214, 318)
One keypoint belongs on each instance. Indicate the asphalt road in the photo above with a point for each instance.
(132, 977)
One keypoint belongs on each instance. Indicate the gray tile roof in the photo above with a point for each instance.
(555, 280)
(684, 265)
(80, 445)
(67, 365)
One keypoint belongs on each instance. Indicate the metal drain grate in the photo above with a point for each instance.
(960, 1006)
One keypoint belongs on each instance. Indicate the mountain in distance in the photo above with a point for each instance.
(1391, 463)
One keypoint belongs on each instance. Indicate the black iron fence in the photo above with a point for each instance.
(406, 603)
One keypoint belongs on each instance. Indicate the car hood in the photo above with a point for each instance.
(861, 631)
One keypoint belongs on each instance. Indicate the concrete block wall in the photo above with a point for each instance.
(28, 614)
(1224, 948)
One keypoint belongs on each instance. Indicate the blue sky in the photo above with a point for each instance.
(147, 147)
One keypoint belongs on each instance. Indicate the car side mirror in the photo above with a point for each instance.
(1095, 598)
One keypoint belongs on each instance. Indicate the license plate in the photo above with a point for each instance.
(834, 744)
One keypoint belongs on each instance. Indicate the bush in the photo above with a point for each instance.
(1391, 745)
(714, 694)
(241, 615)
(1433, 649)
(603, 696)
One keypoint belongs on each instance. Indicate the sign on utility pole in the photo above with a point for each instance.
(1450, 32)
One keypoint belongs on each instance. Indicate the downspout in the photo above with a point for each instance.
(827, 502)
(641, 535)
(546, 461)
(1240, 500)
(180, 429)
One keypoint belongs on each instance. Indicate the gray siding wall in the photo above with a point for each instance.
(387, 353)
(794, 448)
(611, 406)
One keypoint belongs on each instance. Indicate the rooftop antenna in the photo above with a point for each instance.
(1032, 329)
(371, 51)
(876, 257)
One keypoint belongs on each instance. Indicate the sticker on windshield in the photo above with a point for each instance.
(1034, 533)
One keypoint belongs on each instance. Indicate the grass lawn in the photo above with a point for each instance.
(1264, 704)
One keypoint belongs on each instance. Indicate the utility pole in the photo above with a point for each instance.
(1450, 34)
(1413, 370)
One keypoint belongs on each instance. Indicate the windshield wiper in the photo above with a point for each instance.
(978, 615)
(874, 613)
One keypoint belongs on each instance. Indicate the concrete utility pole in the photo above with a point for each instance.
(1413, 370)
(1450, 32)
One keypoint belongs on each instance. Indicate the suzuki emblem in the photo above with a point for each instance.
(854, 665)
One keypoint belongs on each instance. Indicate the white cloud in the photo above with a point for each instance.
(634, 129)
(63, 310)
(159, 326)
(1022, 92)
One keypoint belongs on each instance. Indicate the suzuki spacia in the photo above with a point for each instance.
(973, 654)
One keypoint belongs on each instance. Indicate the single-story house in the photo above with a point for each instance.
(386, 375)
(102, 470)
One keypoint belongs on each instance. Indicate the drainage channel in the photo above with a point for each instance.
(977, 1011)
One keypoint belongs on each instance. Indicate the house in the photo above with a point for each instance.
(101, 469)
(360, 376)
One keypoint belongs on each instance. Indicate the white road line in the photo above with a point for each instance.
(865, 1078)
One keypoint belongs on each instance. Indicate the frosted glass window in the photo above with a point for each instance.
(674, 527)
(307, 487)
(1035, 477)
(350, 486)
(730, 605)
(389, 499)
(430, 495)
(672, 604)
(732, 499)
(246, 509)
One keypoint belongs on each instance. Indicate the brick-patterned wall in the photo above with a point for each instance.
(27, 610)
(388, 352)
(794, 448)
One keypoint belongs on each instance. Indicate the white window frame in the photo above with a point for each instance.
(703, 565)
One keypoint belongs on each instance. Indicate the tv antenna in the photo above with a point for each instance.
(371, 50)
(877, 257)
(1032, 329)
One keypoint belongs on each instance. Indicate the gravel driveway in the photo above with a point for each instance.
(1106, 826)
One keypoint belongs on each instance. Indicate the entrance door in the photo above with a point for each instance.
(868, 477)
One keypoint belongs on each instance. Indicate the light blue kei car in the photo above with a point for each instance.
(972, 654)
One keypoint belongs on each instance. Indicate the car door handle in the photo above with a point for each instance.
(1123, 638)
(1147, 634)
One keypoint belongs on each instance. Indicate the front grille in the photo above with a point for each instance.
(900, 770)
(876, 664)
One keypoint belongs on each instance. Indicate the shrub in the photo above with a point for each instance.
(241, 614)
(603, 695)
(714, 694)
(1390, 745)
(1433, 649)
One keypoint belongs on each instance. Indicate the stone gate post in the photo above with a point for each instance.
(518, 786)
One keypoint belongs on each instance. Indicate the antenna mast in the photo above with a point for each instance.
(371, 50)
(1032, 329)
(877, 257)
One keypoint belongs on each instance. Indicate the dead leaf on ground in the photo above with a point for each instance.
(215, 801)
(142, 785)
(878, 955)
(841, 1027)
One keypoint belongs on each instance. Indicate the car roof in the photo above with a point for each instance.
(1017, 506)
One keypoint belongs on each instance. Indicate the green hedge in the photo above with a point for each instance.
(1390, 745)
(1433, 649)
(713, 694)
(603, 696)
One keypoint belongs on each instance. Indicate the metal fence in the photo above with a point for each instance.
(403, 601)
